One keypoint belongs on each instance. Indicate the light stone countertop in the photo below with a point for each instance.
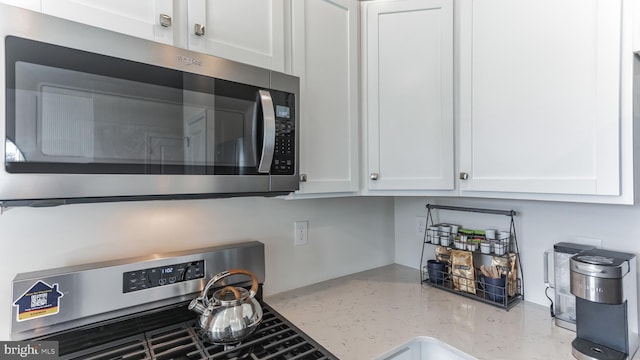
(366, 314)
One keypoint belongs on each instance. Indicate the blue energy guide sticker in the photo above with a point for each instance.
(40, 300)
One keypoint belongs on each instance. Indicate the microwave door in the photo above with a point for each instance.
(265, 119)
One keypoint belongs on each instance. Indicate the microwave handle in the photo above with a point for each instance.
(269, 131)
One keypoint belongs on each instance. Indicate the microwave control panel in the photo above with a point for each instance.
(284, 152)
(162, 275)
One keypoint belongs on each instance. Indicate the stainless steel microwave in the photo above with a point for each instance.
(92, 115)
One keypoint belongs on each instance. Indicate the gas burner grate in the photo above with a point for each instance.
(108, 332)
(132, 348)
(179, 343)
(275, 339)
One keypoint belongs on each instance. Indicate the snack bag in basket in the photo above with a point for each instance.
(463, 272)
(508, 266)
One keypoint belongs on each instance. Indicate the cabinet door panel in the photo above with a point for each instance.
(539, 98)
(325, 58)
(138, 18)
(34, 5)
(409, 95)
(249, 31)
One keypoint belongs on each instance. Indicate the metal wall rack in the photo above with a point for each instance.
(484, 292)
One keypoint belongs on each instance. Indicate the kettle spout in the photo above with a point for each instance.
(197, 306)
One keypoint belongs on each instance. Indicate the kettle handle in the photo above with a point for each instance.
(224, 274)
(235, 291)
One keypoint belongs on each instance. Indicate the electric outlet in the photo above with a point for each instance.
(421, 224)
(300, 232)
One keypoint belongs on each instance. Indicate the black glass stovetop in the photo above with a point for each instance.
(172, 334)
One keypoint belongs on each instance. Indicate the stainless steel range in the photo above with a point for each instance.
(138, 308)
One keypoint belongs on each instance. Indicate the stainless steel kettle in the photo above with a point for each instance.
(231, 314)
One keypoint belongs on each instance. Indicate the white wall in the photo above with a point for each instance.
(539, 225)
(346, 235)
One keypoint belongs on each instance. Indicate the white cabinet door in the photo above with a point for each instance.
(34, 5)
(540, 96)
(248, 31)
(408, 94)
(325, 57)
(140, 18)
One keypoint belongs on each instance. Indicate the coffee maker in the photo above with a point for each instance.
(604, 283)
(564, 303)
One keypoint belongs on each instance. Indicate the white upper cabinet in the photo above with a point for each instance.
(634, 21)
(147, 19)
(248, 31)
(34, 5)
(540, 97)
(325, 57)
(408, 94)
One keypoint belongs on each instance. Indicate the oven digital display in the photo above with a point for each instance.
(161, 276)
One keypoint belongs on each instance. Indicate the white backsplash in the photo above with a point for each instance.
(539, 225)
(346, 235)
